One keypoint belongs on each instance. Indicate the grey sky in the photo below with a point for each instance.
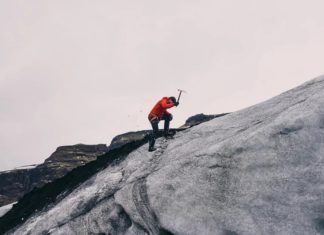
(74, 71)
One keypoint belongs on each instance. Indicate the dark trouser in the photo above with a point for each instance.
(155, 126)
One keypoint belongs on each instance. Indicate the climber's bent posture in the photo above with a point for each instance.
(158, 113)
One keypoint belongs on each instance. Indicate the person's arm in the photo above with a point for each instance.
(167, 104)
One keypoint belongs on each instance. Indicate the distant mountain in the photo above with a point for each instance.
(259, 170)
(17, 182)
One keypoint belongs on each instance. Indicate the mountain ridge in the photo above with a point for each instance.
(255, 171)
(19, 181)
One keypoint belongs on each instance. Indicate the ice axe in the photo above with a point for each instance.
(180, 92)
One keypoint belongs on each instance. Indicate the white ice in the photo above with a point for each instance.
(6, 208)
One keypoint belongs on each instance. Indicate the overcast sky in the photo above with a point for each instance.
(74, 71)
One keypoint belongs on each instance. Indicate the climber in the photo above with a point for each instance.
(158, 113)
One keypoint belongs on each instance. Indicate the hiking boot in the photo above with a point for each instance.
(169, 137)
(152, 149)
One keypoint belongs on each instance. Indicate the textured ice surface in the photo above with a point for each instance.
(256, 171)
(6, 208)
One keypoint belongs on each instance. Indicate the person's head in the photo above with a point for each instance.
(173, 99)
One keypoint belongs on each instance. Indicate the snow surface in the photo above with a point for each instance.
(256, 171)
(6, 208)
(27, 167)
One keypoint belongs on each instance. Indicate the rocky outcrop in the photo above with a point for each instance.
(76, 154)
(126, 138)
(200, 118)
(15, 183)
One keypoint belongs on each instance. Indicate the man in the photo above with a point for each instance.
(158, 113)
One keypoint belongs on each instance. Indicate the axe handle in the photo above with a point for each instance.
(179, 96)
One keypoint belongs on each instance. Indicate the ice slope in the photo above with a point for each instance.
(256, 171)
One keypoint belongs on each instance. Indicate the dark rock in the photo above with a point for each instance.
(15, 183)
(200, 118)
(128, 137)
(76, 153)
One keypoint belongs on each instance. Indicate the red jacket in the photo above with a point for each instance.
(161, 108)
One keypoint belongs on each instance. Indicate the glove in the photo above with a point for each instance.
(176, 103)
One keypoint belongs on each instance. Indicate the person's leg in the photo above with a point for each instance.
(155, 130)
(167, 118)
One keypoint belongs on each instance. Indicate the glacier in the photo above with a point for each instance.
(259, 170)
